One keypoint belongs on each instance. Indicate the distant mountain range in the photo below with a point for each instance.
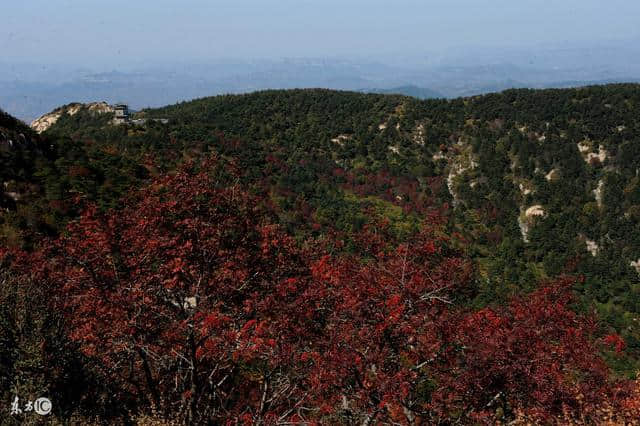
(28, 90)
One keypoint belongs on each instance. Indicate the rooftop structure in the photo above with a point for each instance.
(121, 114)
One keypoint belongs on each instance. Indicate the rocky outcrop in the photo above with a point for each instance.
(341, 139)
(591, 246)
(43, 123)
(457, 167)
(532, 211)
(527, 218)
(598, 192)
(554, 174)
(586, 148)
(99, 107)
(525, 189)
(601, 155)
(418, 135)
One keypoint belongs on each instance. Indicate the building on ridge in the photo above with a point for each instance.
(121, 114)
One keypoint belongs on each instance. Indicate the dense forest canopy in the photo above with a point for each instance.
(368, 257)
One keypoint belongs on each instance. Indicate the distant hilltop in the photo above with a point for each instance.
(44, 122)
(122, 114)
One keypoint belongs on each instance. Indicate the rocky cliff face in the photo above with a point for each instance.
(46, 121)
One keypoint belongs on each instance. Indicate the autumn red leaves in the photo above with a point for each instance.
(192, 301)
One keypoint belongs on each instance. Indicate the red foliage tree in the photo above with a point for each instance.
(535, 356)
(398, 349)
(174, 296)
(192, 301)
(388, 319)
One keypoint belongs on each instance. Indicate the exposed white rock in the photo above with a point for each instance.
(525, 220)
(394, 149)
(340, 139)
(46, 121)
(418, 135)
(100, 107)
(584, 147)
(524, 190)
(598, 192)
(552, 175)
(382, 126)
(450, 177)
(524, 229)
(73, 110)
(190, 302)
(592, 247)
(601, 155)
(621, 128)
(636, 265)
(536, 210)
(438, 156)
(43, 123)
(542, 138)
(457, 169)
(513, 163)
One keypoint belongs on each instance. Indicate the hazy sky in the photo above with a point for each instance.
(121, 31)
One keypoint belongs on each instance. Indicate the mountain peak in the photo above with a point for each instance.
(44, 122)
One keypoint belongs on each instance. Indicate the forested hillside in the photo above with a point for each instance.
(379, 257)
(540, 183)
